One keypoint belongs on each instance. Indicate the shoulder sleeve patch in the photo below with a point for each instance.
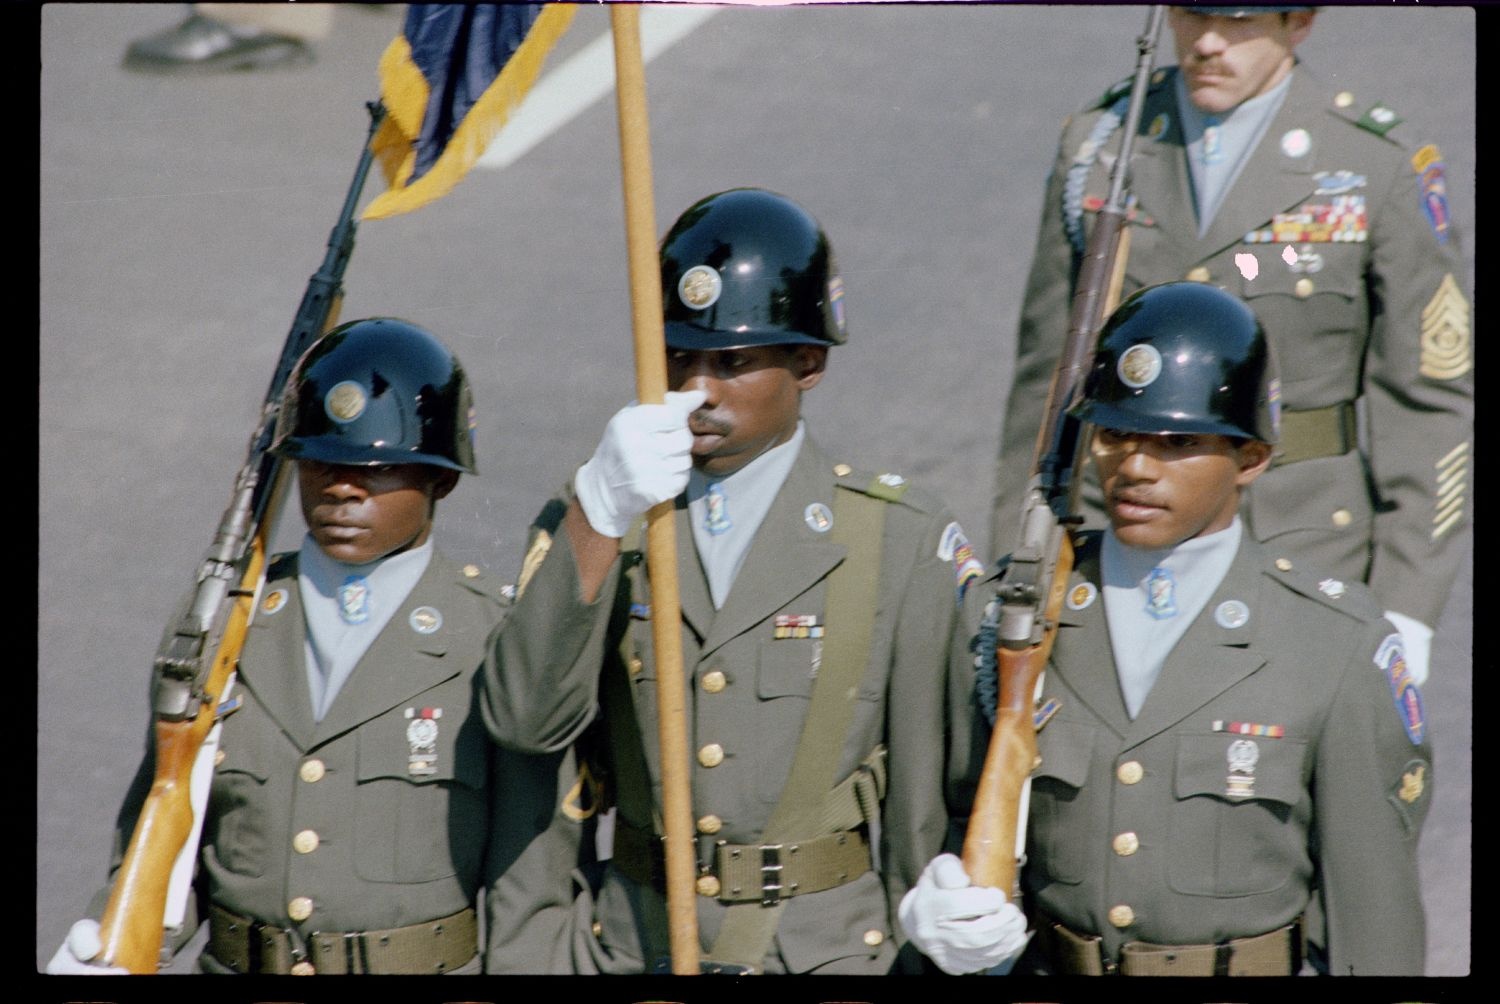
(1427, 164)
(1390, 659)
(954, 547)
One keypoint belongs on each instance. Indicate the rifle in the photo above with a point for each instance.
(195, 663)
(1021, 622)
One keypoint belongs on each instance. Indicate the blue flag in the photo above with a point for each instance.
(449, 81)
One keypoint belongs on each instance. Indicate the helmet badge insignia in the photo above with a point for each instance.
(1139, 366)
(345, 401)
(700, 287)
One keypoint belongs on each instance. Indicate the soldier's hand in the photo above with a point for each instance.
(81, 944)
(643, 458)
(1416, 639)
(961, 927)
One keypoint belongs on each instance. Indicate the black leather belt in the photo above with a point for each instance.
(437, 946)
(1068, 953)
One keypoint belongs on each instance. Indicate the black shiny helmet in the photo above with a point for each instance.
(749, 267)
(378, 391)
(1183, 357)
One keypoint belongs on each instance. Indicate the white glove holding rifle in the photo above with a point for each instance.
(81, 944)
(961, 927)
(643, 459)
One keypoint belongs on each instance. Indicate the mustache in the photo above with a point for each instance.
(701, 423)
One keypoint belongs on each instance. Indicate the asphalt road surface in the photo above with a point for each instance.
(181, 217)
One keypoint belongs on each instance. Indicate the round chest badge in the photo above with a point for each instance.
(1139, 366)
(1296, 143)
(425, 620)
(1082, 595)
(274, 601)
(1232, 614)
(700, 287)
(345, 401)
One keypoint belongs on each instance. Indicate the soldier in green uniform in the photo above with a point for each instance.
(357, 806)
(823, 624)
(1234, 760)
(1326, 212)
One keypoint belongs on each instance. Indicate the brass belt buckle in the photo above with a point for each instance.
(770, 874)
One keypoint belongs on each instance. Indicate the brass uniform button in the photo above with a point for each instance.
(471, 571)
(1342, 517)
(634, 665)
(597, 929)
(1130, 772)
(1343, 99)
(1285, 564)
(303, 968)
(1303, 289)
(713, 681)
(300, 908)
(842, 470)
(312, 771)
(1198, 274)
(710, 824)
(305, 842)
(1126, 844)
(1121, 916)
(873, 937)
(711, 755)
(708, 885)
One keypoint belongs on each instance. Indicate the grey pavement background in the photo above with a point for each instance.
(181, 217)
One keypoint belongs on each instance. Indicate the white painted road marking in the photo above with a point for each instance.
(558, 96)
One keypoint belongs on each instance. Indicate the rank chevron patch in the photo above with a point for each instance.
(1445, 333)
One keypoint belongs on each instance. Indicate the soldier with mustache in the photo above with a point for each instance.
(1327, 213)
(357, 806)
(825, 617)
(1235, 768)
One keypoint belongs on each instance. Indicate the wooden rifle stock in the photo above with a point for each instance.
(196, 661)
(992, 838)
(130, 933)
(1029, 598)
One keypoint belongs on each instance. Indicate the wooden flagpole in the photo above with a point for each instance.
(661, 550)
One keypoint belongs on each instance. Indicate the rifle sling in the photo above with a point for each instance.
(811, 806)
(853, 593)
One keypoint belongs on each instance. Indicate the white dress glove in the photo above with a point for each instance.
(1416, 639)
(81, 944)
(962, 927)
(642, 460)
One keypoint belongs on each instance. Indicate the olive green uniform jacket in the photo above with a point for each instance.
(747, 702)
(1370, 309)
(1133, 832)
(335, 815)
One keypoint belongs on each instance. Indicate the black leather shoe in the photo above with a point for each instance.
(201, 44)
